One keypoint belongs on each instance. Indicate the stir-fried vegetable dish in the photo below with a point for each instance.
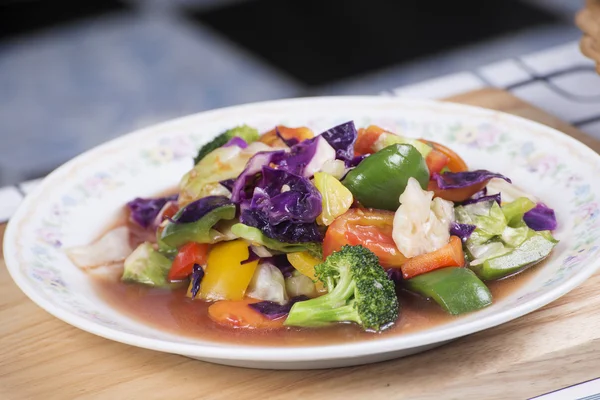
(289, 229)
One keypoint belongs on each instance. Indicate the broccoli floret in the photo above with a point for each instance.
(359, 291)
(246, 132)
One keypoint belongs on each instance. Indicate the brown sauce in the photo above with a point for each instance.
(173, 312)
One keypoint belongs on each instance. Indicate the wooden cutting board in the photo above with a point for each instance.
(557, 346)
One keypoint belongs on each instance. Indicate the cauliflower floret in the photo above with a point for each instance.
(421, 225)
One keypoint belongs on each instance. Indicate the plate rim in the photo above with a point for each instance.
(291, 354)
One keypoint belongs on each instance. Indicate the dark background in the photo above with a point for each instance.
(315, 41)
(74, 74)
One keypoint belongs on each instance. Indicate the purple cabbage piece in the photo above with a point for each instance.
(481, 193)
(287, 232)
(342, 138)
(356, 160)
(281, 262)
(299, 156)
(197, 275)
(286, 215)
(273, 310)
(236, 141)
(253, 167)
(541, 218)
(300, 201)
(228, 184)
(284, 204)
(289, 142)
(394, 274)
(307, 157)
(252, 256)
(199, 208)
(458, 180)
(463, 231)
(144, 211)
(494, 197)
(304, 159)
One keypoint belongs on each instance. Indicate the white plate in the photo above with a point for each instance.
(74, 204)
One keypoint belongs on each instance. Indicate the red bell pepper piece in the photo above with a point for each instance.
(188, 255)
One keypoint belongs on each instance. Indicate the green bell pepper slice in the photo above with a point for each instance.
(163, 248)
(380, 179)
(514, 211)
(176, 235)
(457, 290)
(531, 251)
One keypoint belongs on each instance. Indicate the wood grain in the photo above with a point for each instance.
(559, 345)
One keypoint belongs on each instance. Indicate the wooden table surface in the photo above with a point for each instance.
(42, 357)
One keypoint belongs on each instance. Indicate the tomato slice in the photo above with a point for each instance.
(366, 139)
(369, 228)
(436, 161)
(169, 210)
(455, 162)
(188, 255)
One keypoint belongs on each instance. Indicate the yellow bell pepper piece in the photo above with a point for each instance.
(336, 198)
(305, 264)
(225, 277)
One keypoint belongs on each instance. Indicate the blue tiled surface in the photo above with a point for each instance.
(468, 58)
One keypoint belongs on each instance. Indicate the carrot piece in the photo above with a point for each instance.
(237, 314)
(451, 255)
(270, 138)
